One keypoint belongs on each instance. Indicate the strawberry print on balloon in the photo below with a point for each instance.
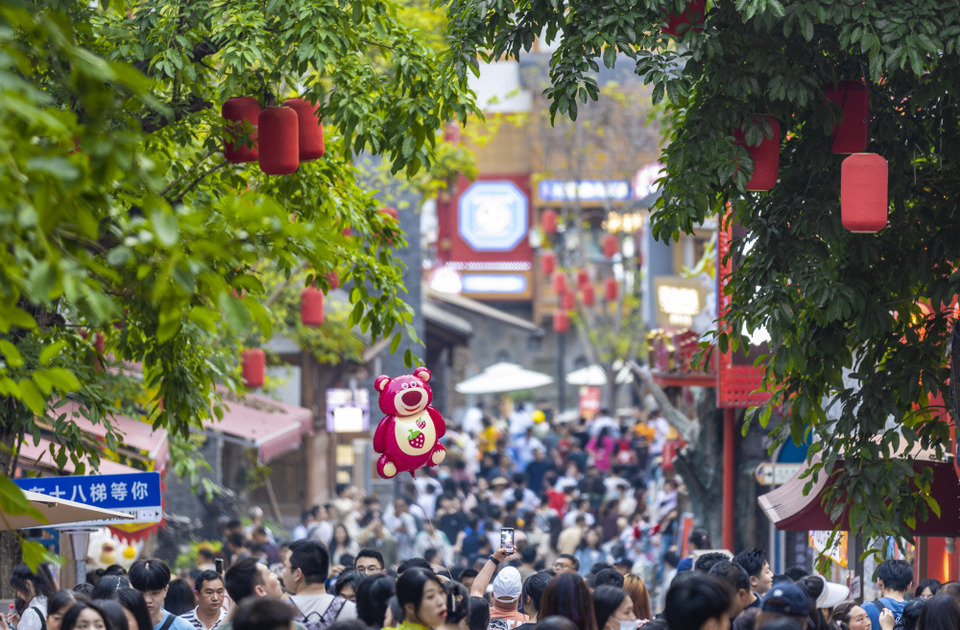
(409, 435)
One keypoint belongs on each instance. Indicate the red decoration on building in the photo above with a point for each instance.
(589, 295)
(310, 128)
(863, 192)
(548, 221)
(569, 301)
(548, 262)
(253, 367)
(311, 307)
(850, 132)
(561, 322)
(279, 140)
(765, 156)
(583, 277)
(238, 111)
(611, 289)
(611, 245)
(690, 20)
(559, 282)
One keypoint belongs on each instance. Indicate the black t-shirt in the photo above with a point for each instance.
(452, 525)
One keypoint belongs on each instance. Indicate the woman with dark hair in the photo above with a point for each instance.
(612, 605)
(911, 612)
(341, 544)
(479, 614)
(588, 552)
(179, 599)
(421, 596)
(57, 606)
(600, 447)
(347, 583)
(458, 606)
(556, 622)
(531, 596)
(108, 585)
(567, 595)
(851, 615)
(941, 612)
(373, 594)
(636, 588)
(927, 588)
(138, 615)
(393, 616)
(115, 613)
(34, 589)
(86, 616)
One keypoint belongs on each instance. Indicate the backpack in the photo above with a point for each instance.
(316, 621)
(898, 618)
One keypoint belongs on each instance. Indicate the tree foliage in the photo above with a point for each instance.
(134, 261)
(855, 358)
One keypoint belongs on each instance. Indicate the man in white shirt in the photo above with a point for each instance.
(305, 569)
(209, 613)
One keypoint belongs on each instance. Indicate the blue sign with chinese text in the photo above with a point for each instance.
(135, 493)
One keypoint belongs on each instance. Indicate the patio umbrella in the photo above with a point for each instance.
(58, 512)
(593, 375)
(503, 377)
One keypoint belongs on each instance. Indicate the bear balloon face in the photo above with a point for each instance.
(406, 395)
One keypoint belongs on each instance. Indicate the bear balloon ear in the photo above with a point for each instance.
(423, 374)
(381, 383)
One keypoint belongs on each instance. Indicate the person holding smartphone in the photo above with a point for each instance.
(505, 597)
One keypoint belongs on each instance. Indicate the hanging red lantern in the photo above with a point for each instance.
(309, 127)
(548, 221)
(863, 192)
(451, 132)
(559, 282)
(583, 277)
(548, 262)
(311, 307)
(850, 132)
(611, 289)
(392, 212)
(253, 367)
(561, 321)
(611, 245)
(569, 300)
(240, 110)
(690, 20)
(765, 156)
(279, 140)
(334, 279)
(589, 295)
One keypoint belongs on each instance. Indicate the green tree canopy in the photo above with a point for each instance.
(853, 357)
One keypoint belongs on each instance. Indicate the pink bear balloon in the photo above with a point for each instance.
(409, 434)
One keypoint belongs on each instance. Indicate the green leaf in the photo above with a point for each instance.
(10, 352)
(51, 351)
(165, 227)
(31, 396)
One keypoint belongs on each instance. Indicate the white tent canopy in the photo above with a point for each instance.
(57, 512)
(593, 375)
(503, 377)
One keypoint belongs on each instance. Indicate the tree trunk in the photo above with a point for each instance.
(10, 552)
(700, 465)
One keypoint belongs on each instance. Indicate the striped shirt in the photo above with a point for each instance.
(196, 623)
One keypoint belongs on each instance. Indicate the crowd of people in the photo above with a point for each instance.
(528, 524)
(717, 593)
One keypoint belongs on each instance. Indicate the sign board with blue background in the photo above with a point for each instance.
(135, 493)
(493, 216)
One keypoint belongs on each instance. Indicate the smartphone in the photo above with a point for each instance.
(218, 563)
(506, 538)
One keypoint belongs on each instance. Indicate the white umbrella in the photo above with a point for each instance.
(503, 377)
(593, 375)
(57, 512)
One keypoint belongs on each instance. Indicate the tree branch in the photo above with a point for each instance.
(686, 427)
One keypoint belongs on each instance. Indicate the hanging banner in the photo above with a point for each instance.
(836, 552)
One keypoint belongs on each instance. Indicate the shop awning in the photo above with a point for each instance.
(269, 426)
(136, 435)
(38, 458)
(789, 509)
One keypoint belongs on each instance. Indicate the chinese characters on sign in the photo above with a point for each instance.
(136, 493)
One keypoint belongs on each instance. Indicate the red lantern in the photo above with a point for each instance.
(333, 278)
(559, 282)
(610, 245)
(583, 277)
(863, 192)
(850, 133)
(766, 157)
(589, 294)
(451, 132)
(279, 140)
(690, 20)
(561, 321)
(310, 128)
(391, 212)
(254, 367)
(239, 110)
(548, 221)
(611, 289)
(548, 262)
(569, 300)
(311, 307)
